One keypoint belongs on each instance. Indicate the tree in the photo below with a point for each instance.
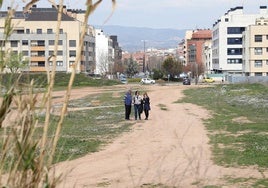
(132, 67)
(158, 74)
(118, 67)
(172, 66)
(104, 64)
(15, 62)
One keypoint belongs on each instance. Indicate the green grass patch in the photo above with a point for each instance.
(238, 128)
(61, 80)
(162, 106)
(91, 127)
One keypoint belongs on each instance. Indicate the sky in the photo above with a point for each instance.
(173, 14)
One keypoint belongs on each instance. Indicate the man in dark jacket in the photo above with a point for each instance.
(128, 102)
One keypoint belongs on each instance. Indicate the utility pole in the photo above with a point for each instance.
(143, 63)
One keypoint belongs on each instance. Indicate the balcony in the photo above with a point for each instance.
(37, 69)
(37, 48)
(38, 58)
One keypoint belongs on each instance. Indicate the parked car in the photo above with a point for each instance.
(186, 81)
(147, 81)
(123, 80)
(208, 80)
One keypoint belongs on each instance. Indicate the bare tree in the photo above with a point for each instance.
(104, 64)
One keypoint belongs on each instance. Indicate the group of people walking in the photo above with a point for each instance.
(140, 103)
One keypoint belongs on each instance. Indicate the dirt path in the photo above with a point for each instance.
(169, 149)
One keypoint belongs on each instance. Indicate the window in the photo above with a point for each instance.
(266, 62)
(59, 63)
(72, 53)
(14, 43)
(39, 31)
(20, 31)
(61, 31)
(50, 52)
(40, 43)
(72, 43)
(258, 38)
(226, 19)
(60, 53)
(49, 31)
(258, 74)
(258, 63)
(234, 61)
(28, 31)
(41, 64)
(25, 53)
(258, 51)
(24, 42)
(234, 41)
(235, 30)
(266, 37)
(234, 51)
(71, 63)
(51, 42)
(2, 43)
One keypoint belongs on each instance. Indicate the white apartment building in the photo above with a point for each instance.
(104, 53)
(227, 49)
(207, 57)
(34, 36)
(255, 42)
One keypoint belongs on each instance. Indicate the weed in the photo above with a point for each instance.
(162, 106)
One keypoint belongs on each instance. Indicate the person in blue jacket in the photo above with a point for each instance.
(128, 103)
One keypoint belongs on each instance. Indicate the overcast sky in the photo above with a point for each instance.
(177, 14)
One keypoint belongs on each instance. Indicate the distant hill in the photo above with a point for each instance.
(131, 38)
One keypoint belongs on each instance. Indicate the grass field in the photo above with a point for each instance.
(92, 126)
(238, 127)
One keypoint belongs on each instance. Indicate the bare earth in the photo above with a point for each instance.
(170, 149)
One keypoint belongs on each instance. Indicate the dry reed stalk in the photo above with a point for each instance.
(25, 156)
(91, 7)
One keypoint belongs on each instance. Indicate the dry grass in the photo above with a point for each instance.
(25, 159)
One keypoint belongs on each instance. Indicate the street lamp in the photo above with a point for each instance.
(143, 63)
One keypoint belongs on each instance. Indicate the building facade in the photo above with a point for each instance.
(227, 47)
(104, 53)
(255, 43)
(194, 50)
(34, 36)
(207, 57)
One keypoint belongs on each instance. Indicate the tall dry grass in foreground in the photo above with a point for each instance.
(26, 160)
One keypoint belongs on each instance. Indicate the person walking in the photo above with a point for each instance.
(146, 105)
(128, 103)
(137, 101)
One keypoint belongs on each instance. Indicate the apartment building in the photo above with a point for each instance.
(104, 52)
(34, 36)
(227, 47)
(207, 57)
(194, 49)
(255, 43)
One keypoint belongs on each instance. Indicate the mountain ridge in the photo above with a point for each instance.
(132, 39)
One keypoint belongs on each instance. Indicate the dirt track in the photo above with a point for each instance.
(170, 149)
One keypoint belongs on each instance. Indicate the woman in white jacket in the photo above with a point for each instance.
(137, 101)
